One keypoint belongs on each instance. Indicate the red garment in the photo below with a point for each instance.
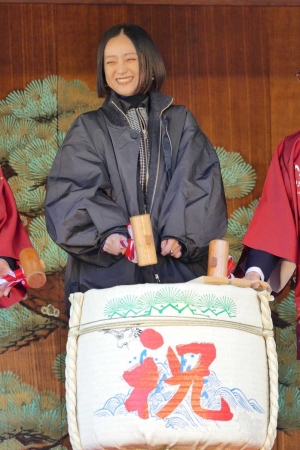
(275, 224)
(13, 237)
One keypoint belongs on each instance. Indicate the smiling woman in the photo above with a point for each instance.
(121, 65)
(136, 154)
(131, 44)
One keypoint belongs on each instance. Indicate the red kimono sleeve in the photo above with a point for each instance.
(13, 237)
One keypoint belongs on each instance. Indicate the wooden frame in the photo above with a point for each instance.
(260, 3)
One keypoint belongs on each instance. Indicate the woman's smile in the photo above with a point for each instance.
(124, 80)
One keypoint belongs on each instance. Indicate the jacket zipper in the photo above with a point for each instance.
(169, 141)
(167, 132)
(159, 147)
(159, 151)
(145, 134)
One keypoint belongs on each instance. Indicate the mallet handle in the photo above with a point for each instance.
(143, 240)
(218, 258)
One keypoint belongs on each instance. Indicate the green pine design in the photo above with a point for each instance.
(289, 407)
(28, 417)
(289, 366)
(238, 176)
(170, 298)
(53, 256)
(59, 367)
(237, 227)
(19, 327)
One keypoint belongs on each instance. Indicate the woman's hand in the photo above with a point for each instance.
(4, 270)
(112, 244)
(171, 247)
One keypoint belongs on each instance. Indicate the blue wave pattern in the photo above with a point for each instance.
(184, 417)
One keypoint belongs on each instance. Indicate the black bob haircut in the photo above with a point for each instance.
(151, 66)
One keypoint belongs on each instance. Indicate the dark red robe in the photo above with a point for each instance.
(13, 237)
(275, 224)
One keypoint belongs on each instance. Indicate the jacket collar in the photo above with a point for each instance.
(112, 107)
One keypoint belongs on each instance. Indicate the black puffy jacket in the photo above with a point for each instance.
(93, 190)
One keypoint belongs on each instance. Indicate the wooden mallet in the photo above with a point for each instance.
(143, 240)
(33, 268)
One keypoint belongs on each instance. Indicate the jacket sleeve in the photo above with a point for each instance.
(194, 209)
(79, 208)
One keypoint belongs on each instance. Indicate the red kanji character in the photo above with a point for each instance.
(144, 378)
(194, 378)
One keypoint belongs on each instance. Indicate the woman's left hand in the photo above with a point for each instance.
(171, 247)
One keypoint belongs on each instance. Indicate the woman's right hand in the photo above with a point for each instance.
(112, 244)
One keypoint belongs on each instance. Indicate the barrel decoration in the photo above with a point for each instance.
(171, 366)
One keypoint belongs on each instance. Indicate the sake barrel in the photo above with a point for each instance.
(171, 366)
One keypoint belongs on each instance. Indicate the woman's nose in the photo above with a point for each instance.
(121, 68)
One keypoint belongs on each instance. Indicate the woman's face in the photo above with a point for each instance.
(121, 65)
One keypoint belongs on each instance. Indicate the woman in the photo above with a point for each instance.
(137, 154)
